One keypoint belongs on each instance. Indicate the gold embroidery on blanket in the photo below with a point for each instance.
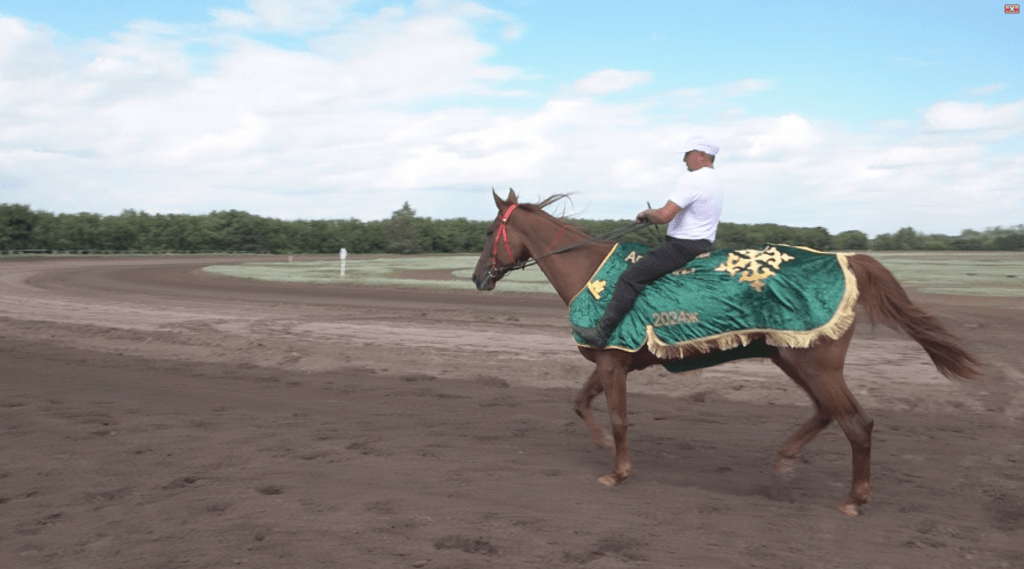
(754, 265)
(596, 288)
(633, 257)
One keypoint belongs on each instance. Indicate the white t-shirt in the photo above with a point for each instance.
(700, 196)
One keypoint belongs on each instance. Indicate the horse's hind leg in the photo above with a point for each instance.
(857, 427)
(591, 389)
(834, 401)
(790, 450)
(819, 370)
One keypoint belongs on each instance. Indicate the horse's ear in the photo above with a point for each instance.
(498, 201)
(512, 198)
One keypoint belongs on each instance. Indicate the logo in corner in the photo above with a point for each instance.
(1011, 8)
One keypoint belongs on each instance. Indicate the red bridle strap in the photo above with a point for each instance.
(503, 235)
(555, 242)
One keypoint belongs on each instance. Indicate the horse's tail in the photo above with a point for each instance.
(887, 302)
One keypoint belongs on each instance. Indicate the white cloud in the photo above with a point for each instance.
(24, 52)
(715, 94)
(400, 57)
(909, 156)
(745, 86)
(14, 35)
(610, 80)
(234, 18)
(986, 89)
(296, 16)
(956, 116)
(473, 11)
(373, 114)
(773, 137)
(262, 126)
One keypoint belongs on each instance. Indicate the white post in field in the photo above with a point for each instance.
(343, 254)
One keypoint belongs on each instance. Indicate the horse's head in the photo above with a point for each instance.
(503, 249)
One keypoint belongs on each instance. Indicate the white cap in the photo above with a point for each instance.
(701, 143)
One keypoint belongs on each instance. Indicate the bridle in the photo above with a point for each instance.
(494, 272)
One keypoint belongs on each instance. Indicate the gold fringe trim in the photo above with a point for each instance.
(840, 322)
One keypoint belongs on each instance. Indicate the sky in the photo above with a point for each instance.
(869, 116)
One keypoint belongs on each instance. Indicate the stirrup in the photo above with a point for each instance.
(593, 337)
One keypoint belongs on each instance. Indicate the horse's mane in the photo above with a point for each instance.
(540, 206)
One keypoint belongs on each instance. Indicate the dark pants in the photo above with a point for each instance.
(658, 262)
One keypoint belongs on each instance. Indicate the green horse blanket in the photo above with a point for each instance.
(790, 296)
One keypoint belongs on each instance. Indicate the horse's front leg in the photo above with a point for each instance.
(612, 367)
(591, 389)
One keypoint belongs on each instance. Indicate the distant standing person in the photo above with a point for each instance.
(692, 213)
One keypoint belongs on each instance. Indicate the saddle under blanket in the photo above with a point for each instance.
(790, 296)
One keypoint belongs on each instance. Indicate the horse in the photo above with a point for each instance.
(524, 231)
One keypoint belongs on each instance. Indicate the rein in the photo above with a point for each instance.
(497, 272)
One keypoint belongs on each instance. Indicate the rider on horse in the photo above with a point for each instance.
(692, 213)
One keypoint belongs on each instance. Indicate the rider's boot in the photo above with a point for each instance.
(597, 337)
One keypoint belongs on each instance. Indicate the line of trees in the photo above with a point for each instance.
(22, 229)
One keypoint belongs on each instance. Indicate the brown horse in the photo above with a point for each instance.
(569, 257)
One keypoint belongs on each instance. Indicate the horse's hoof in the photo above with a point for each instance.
(616, 477)
(785, 466)
(609, 480)
(607, 443)
(849, 509)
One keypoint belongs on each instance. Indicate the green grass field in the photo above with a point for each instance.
(385, 271)
(988, 273)
(936, 272)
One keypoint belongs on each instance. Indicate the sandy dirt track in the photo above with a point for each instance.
(153, 415)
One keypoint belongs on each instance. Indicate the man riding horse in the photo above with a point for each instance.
(692, 213)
